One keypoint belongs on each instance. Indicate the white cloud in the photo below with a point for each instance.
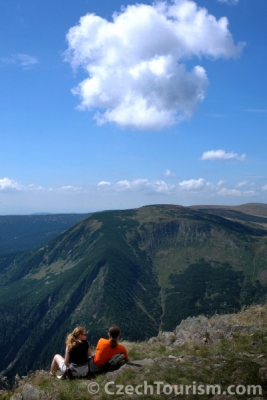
(70, 188)
(257, 110)
(169, 173)
(221, 155)
(139, 185)
(194, 184)
(32, 186)
(23, 60)
(136, 63)
(236, 192)
(232, 192)
(103, 184)
(191, 185)
(264, 187)
(7, 184)
(242, 183)
(157, 186)
(26, 61)
(221, 182)
(229, 2)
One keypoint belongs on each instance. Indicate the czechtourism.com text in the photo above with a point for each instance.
(159, 388)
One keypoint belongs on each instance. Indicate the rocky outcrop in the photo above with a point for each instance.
(30, 392)
(194, 332)
(199, 330)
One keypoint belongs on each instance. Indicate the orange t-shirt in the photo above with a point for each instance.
(104, 352)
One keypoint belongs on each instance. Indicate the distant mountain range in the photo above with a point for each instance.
(144, 269)
(26, 232)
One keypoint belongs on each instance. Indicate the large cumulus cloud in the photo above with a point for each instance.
(136, 63)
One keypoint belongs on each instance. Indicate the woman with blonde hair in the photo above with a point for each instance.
(76, 354)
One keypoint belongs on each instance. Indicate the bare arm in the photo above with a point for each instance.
(67, 356)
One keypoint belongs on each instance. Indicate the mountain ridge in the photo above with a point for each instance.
(145, 269)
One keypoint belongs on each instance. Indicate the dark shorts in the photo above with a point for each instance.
(92, 367)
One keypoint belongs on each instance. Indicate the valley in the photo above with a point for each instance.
(145, 269)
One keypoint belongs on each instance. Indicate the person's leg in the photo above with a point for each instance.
(94, 368)
(57, 360)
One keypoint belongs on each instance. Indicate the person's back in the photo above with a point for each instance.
(106, 349)
(79, 355)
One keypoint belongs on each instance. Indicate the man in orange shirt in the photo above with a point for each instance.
(107, 348)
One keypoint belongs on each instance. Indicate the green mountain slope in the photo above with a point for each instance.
(26, 232)
(144, 269)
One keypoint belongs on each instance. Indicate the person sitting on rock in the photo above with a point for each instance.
(76, 353)
(106, 349)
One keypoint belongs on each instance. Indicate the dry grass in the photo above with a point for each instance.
(234, 360)
(251, 316)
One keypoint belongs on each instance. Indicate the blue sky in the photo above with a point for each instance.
(115, 105)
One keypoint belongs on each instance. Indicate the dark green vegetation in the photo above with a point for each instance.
(26, 232)
(144, 269)
(202, 289)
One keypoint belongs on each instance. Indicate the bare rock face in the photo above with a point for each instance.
(167, 338)
(17, 396)
(200, 331)
(30, 392)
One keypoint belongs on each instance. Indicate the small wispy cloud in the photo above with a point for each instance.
(194, 184)
(139, 185)
(145, 186)
(7, 185)
(231, 192)
(221, 155)
(236, 192)
(169, 173)
(221, 182)
(242, 183)
(70, 188)
(257, 110)
(157, 186)
(34, 187)
(229, 2)
(103, 184)
(22, 60)
(200, 186)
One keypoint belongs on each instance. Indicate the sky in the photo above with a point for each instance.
(118, 104)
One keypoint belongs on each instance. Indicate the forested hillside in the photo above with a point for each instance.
(144, 269)
(25, 232)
